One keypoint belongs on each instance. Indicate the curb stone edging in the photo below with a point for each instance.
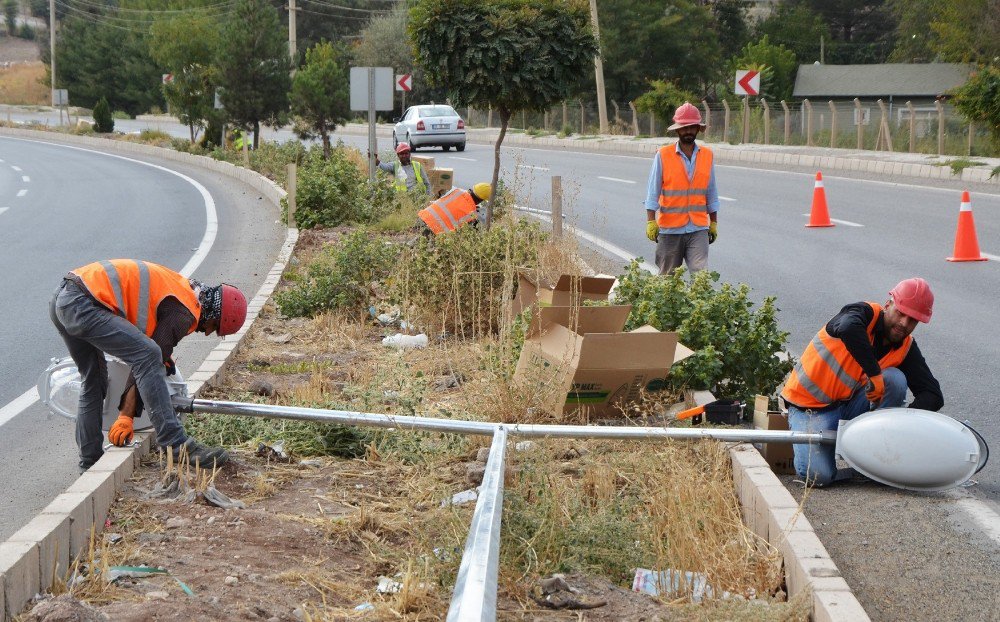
(774, 515)
(45, 547)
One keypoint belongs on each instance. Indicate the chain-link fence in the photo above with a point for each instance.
(934, 127)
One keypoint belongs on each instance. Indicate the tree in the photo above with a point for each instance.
(915, 41)
(320, 96)
(253, 67)
(512, 55)
(861, 31)
(663, 99)
(979, 100)
(731, 24)
(104, 123)
(798, 28)
(10, 16)
(186, 47)
(968, 31)
(777, 66)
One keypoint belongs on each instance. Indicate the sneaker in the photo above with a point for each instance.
(201, 455)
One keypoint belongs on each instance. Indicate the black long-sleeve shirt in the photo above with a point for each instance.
(851, 327)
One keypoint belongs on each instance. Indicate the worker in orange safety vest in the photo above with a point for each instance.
(137, 311)
(864, 358)
(682, 201)
(455, 209)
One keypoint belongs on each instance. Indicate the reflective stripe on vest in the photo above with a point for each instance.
(134, 290)
(401, 180)
(827, 372)
(683, 200)
(450, 212)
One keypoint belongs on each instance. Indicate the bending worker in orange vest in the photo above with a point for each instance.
(455, 209)
(863, 358)
(137, 311)
(682, 202)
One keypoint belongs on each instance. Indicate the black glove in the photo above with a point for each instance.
(171, 367)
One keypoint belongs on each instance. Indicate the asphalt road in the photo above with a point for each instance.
(66, 207)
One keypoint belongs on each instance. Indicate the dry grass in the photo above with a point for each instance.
(24, 84)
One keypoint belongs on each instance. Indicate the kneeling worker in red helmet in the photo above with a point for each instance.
(863, 359)
(137, 311)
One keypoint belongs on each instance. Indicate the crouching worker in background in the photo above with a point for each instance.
(455, 209)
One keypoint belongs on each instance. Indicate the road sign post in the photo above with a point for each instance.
(371, 90)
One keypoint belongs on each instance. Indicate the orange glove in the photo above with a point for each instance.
(875, 389)
(120, 433)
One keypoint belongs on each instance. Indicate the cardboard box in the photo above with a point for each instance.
(778, 455)
(594, 372)
(426, 161)
(569, 291)
(441, 180)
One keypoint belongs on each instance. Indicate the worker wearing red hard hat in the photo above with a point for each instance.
(682, 202)
(863, 358)
(409, 175)
(137, 311)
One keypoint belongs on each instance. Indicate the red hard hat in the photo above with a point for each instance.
(234, 310)
(403, 148)
(914, 298)
(686, 115)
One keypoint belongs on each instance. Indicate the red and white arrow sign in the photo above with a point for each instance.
(404, 82)
(747, 82)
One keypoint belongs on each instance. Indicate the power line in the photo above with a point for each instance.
(332, 5)
(227, 4)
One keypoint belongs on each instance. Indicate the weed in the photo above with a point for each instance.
(959, 164)
(995, 172)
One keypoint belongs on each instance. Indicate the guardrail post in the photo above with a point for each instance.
(725, 122)
(859, 120)
(940, 111)
(652, 125)
(809, 122)
(290, 172)
(833, 124)
(635, 119)
(708, 116)
(913, 127)
(557, 206)
(767, 121)
(788, 121)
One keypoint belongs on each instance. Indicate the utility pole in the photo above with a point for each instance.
(52, 47)
(821, 60)
(292, 51)
(602, 107)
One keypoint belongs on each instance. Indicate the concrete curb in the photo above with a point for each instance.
(774, 515)
(45, 547)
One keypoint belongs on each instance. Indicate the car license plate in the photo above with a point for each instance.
(439, 126)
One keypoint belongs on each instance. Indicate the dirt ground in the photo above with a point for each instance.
(17, 50)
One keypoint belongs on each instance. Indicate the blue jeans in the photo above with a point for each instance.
(815, 463)
(89, 330)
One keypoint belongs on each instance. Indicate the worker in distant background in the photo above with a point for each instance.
(682, 202)
(239, 138)
(410, 176)
(863, 359)
(137, 311)
(456, 208)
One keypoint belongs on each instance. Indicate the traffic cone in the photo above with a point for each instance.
(966, 244)
(820, 215)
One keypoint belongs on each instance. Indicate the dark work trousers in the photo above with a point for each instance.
(90, 330)
(673, 249)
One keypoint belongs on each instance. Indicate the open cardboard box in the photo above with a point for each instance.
(594, 367)
(569, 290)
(441, 180)
(778, 455)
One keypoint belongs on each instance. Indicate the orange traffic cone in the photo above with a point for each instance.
(820, 216)
(966, 244)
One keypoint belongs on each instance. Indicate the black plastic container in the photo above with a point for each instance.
(725, 412)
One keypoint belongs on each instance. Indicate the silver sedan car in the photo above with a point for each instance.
(430, 125)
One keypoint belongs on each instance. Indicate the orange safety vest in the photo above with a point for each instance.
(683, 200)
(135, 289)
(450, 212)
(827, 372)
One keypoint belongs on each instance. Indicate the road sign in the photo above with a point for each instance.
(168, 78)
(60, 97)
(747, 82)
(382, 83)
(404, 82)
(218, 99)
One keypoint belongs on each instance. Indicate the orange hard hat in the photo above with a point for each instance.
(687, 114)
(234, 310)
(914, 298)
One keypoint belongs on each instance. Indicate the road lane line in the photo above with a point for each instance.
(29, 397)
(25, 178)
(16, 168)
(534, 168)
(981, 514)
(22, 192)
(463, 159)
(843, 222)
(621, 181)
(722, 198)
(991, 257)
(3, 209)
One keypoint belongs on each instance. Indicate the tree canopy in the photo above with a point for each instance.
(320, 97)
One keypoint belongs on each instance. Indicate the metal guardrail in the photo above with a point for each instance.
(475, 595)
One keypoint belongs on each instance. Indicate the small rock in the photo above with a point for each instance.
(298, 613)
(64, 608)
(262, 387)
(311, 462)
(280, 338)
(474, 474)
(176, 522)
(483, 454)
(211, 520)
(151, 538)
(113, 538)
(158, 595)
(231, 580)
(525, 446)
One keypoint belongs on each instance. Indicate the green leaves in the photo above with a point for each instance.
(979, 100)
(320, 94)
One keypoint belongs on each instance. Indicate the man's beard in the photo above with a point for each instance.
(687, 139)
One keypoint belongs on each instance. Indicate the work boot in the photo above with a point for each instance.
(198, 454)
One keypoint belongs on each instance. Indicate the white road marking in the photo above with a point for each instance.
(16, 168)
(991, 257)
(722, 198)
(25, 178)
(842, 222)
(534, 168)
(621, 181)
(981, 514)
(29, 397)
(22, 192)
(3, 209)
(463, 159)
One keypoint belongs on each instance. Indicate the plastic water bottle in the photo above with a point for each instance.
(405, 342)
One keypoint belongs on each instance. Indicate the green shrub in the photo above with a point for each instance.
(336, 191)
(341, 277)
(26, 32)
(104, 123)
(120, 114)
(735, 345)
(462, 281)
